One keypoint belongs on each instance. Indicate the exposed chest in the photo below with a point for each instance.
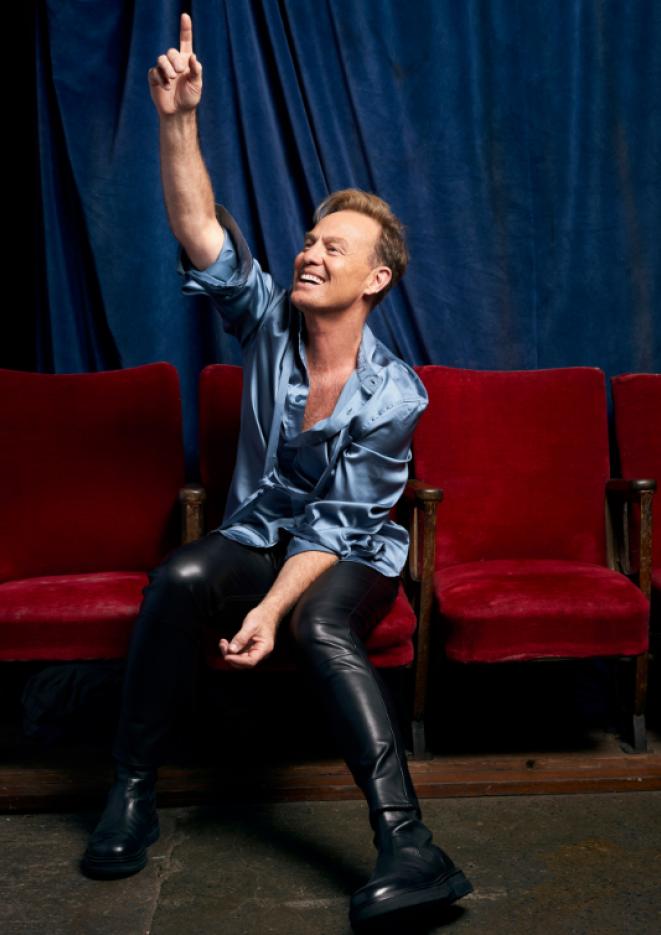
(322, 397)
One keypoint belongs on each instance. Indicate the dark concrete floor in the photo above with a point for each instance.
(539, 864)
(551, 864)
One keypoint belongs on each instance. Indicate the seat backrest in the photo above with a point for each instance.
(522, 457)
(637, 415)
(90, 469)
(220, 419)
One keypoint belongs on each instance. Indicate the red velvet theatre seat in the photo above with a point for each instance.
(91, 466)
(390, 644)
(637, 412)
(524, 569)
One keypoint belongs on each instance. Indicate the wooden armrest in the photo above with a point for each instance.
(624, 490)
(192, 497)
(420, 498)
(419, 490)
(631, 486)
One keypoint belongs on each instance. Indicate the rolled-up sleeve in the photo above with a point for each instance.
(369, 479)
(240, 289)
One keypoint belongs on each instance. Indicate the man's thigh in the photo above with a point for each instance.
(228, 577)
(347, 595)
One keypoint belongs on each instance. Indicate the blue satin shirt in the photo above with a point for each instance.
(331, 487)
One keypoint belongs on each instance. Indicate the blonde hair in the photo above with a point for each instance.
(390, 248)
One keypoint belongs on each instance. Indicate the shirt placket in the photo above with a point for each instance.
(297, 394)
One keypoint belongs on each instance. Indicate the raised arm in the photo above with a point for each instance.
(175, 84)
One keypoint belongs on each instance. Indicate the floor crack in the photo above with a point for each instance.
(166, 866)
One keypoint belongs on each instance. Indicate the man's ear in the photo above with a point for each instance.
(379, 279)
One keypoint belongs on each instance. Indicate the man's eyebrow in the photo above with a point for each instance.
(332, 238)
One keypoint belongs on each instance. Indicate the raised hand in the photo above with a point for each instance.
(175, 82)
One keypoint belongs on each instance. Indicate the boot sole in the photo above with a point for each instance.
(108, 869)
(445, 890)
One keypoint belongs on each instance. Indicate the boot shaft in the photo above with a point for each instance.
(398, 829)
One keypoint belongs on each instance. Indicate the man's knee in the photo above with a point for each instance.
(335, 613)
(183, 571)
(316, 623)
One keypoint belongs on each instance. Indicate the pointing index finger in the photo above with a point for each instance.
(186, 33)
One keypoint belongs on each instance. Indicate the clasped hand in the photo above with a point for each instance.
(253, 642)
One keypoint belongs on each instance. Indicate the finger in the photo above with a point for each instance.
(224, 647)
(244, 635)
(195, 65)
(186, 33)
(167, 84)
(245, 660)
(238, 642)
(156, 78)
(177, 60)
(166, 67)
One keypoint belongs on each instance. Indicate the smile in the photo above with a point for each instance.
(311, 278)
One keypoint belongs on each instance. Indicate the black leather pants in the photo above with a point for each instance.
(215, 581)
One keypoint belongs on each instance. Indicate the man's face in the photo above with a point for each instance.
(337, 265)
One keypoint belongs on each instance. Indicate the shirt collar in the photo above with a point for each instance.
(367, 369)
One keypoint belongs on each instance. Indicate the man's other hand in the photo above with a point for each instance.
(175, 82)
(253, 642)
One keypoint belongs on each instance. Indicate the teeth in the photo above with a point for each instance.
(308, 277)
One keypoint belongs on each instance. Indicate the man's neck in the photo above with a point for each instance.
(332, 345)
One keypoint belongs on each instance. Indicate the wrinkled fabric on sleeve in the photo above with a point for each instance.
(368, 481)
(240, 289)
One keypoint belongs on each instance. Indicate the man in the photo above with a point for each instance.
(327, 418)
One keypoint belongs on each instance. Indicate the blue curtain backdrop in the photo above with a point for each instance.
(519, 141)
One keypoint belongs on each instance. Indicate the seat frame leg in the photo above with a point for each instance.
(420, 750)
(636, 721)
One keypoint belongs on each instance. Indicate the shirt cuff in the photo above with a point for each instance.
(222, 268)
(230, 269)
(297, 544)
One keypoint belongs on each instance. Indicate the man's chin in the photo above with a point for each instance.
(302, 299)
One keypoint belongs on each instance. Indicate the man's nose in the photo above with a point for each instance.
(313, 253)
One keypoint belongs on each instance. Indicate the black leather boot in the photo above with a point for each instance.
(129, 824)
(410, 870)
